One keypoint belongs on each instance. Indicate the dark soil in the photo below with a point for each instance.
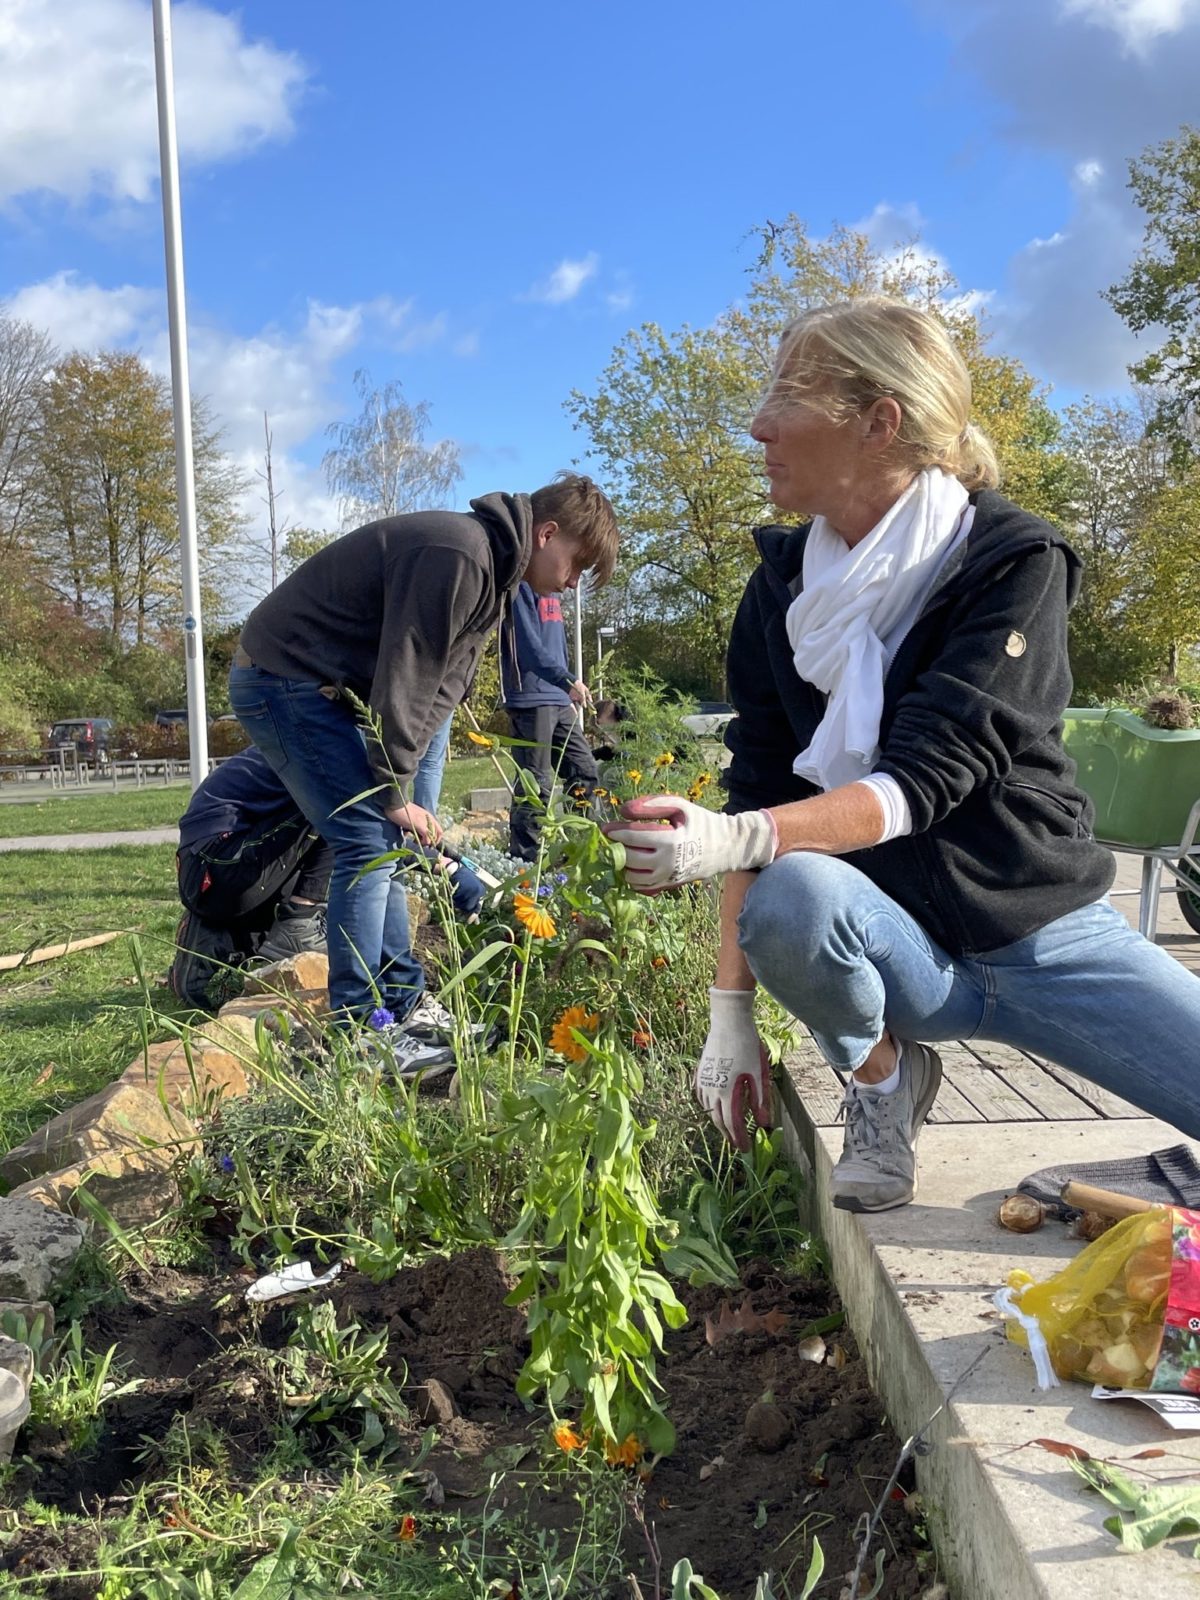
(772, 1449)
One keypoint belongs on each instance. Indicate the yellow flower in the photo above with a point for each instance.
(562, 1037)
(634, 775)
(530, 915)
(626, 1454)
(567, 1439)
(704, 779)
(480, 739)
(664, 760)
(601, 794)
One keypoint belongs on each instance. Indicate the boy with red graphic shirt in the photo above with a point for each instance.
(543, 699)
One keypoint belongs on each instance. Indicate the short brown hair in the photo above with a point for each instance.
(581, 509)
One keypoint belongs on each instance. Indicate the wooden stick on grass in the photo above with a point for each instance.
(51, 952)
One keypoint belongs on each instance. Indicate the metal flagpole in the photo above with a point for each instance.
(185, 486)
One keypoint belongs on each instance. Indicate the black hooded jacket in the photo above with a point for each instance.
(398, 613)
(971, 731)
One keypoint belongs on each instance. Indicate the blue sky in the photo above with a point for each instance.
(480, 200)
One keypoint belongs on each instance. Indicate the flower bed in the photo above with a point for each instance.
(574, 1343)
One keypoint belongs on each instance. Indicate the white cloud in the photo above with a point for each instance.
(1088, 173)
(77, 113)
(1137, 23)
(83, 316)
(565, 282)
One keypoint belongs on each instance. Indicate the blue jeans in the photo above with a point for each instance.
(315, 746)
(1086, 991)
(427, 785)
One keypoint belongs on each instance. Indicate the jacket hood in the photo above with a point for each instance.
(508, 522)
(1000, 529)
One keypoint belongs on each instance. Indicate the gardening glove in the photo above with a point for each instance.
(689, 843)
(733, 1069)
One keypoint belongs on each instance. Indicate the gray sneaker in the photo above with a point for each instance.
(430, 1020)
(291, 936)
(878, 1165)
(406, 1055)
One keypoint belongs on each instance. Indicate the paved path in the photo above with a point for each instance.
(92, 841)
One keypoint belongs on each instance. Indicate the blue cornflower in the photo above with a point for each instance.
(381, 1017)
(225, 1163)
(560, 877)
(544, 889)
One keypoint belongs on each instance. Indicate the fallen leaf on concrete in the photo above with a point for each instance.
(1073, 1452)
(709, 1467)
(1148, 1455)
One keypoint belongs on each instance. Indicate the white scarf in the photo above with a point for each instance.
(853, 597)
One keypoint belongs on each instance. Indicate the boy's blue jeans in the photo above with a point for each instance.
(1086, 991)
(315, 746)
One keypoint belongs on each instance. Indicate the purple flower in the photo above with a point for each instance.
(225, 1163)
(544, 890)
(560, 877)
(381, 1017)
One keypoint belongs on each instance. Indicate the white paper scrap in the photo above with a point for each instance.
(291, 1279)
(1178, 1411)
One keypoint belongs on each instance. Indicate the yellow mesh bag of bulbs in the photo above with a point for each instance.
(1125, 1313)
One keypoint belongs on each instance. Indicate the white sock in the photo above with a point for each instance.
(886, 1085)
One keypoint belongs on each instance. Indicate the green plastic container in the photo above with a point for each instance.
(1143, 781)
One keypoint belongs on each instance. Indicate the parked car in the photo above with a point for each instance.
(171, 719)
(89, 735)
(709, 719)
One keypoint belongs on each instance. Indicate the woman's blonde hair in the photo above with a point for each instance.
(840, 358)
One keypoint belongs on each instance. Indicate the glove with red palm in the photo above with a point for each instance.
(733, 1072)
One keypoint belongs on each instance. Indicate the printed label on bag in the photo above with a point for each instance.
(1178, 1365)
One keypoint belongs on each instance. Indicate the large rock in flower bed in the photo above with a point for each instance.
(309, 970)
(133, 1186)
(120, 1120)
(37, 1245)
(163, 1071)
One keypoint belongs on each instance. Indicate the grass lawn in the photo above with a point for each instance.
(96, 813)
(162, 807)
(69, 1027)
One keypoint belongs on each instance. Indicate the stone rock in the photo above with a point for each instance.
(117, 1120)
(309, 970)
(131, 1185)
(489, 799)
(163, 1068)
(17, 1358)
(434, 1402)
(234, 1034)
(28, 1311)
(37, 1245)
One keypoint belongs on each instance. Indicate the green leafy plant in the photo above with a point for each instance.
(68, 1395)
(337, 1372)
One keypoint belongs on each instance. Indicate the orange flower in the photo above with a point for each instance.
(642, 1037)
(562, 1035)
(480, 739)
(407, 1529)
(659, 963)
(530, 915)
(626, 1454)
(567, 1439)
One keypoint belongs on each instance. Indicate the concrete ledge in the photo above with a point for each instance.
(1010, 1522)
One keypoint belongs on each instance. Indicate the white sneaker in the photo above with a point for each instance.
(878, 1165)
(405, 1054)
(430, 1020)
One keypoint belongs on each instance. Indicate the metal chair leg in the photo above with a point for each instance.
(1148, 906)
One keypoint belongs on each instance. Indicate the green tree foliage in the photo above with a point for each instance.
(1162, 288)
(300, 543)
(103, 515)
(379, 464)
